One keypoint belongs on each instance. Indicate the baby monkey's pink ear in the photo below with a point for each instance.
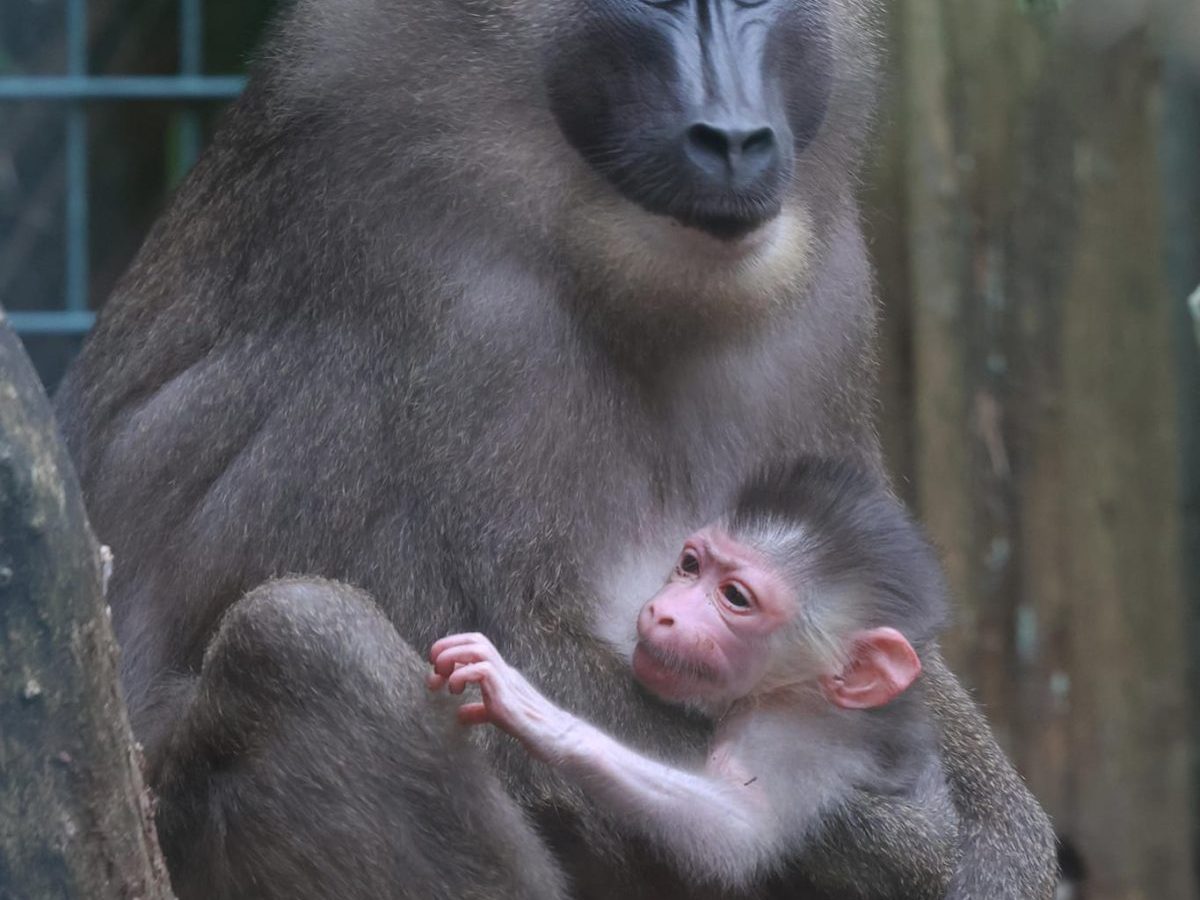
(882, 666)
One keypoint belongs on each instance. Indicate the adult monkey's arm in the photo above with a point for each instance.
(1008, 848)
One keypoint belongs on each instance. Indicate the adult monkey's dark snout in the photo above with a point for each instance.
(731, 177)
(731, 154)
(695, 111)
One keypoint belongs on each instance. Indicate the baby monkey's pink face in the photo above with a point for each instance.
(704, 637)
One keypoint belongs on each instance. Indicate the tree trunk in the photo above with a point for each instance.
(74, 817)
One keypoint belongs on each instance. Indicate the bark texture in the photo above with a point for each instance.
(74, 816)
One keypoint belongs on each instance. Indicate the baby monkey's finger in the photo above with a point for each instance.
(473, 714)
(448, 659)
(455, 640)
(472, 674)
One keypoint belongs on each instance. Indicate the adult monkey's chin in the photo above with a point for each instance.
(655, 264)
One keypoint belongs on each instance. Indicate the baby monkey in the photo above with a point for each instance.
(796, 623)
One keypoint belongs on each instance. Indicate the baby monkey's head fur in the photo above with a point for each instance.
(851, 553)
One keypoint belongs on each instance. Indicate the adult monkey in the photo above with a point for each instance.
(465, 295)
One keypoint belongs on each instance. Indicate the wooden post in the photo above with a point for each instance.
(1046, 438)
(1181, 187)
(1128, 665)
(74, 816)
(956, 121)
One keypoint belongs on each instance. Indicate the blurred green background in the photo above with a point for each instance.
(1034, 211)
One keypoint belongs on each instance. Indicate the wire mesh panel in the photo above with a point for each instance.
(64, 114)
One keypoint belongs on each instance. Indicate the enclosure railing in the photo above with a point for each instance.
(76, 88)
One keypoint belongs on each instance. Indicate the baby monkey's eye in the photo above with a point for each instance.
(689, 563)
(735, 596)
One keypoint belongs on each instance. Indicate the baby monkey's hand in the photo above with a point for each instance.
(508, 700)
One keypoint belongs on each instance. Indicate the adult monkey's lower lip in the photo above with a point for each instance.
(731, 220)
(727, 228)
(725, 247)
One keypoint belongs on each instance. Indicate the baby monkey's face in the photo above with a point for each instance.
(704, 638)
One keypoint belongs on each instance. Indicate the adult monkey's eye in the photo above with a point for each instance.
(689, 563)
(735, 596)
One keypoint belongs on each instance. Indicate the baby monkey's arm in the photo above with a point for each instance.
(712, 823)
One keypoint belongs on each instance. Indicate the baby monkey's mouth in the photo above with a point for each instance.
(674, 663)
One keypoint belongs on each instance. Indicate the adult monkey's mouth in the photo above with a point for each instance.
(727, 228)
(728, 224)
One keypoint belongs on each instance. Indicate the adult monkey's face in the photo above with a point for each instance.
(694, 109)
(672, 157)
(713, 145)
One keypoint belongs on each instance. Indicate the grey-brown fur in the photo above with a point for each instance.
(394, 331)
(274, 731)
(841, 538)
(830, 526)
(843, 530)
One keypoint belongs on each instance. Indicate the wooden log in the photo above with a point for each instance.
(75, 820)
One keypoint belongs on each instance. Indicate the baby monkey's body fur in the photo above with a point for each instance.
(797, 623)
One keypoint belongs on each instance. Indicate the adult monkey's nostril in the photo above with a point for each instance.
(758, 143)
(708, 140)
(731, 152)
